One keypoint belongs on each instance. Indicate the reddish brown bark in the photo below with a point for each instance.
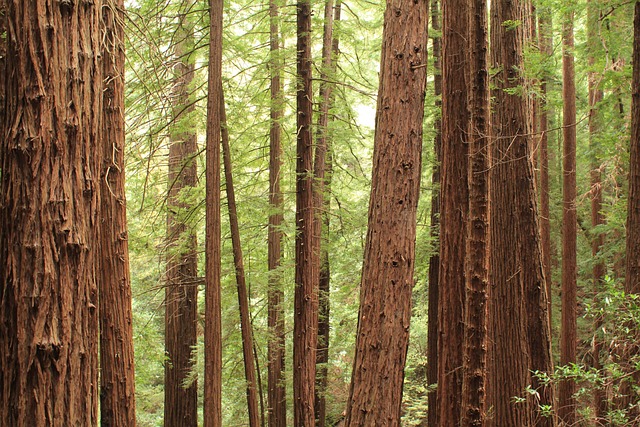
(473, 411)
(117, 382)
(387, 277)
(568, 336)
(238, 261)
(632, 277)
(434, 261)
(322, 172)
(305, 323)
(49, 214)
(213, 320)
(181, 287)
(277, 408)
(453, 209)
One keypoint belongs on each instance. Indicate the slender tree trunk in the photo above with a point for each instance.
(49, 214)
(276, 383)
(243, 295)
(181, 288)
(632, 277)
(434, 260)
(117, 376)
(520, 335)
(546, 43)
(213, 316)
(477, 244)
(322, 172)
(453, 209)
(305, 333)
(387, 276)
(568, 338)
(595, 97)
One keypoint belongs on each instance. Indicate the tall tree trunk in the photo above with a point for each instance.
(305, 323)
(632, 277)
(453, 209)
(213, 311)
(181, 288)
(597, 241)
(117, 376)
(520, 341)
(568, 338)
(545, 43)
(277, 403)
(434, 260)
(477, 244)
(387, 276)
(243, 295)
(49, 214)
(322, 172)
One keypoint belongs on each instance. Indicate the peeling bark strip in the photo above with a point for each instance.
(48, 214)
(387, 275)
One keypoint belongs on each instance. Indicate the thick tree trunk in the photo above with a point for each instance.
(243, 295)
(519, 327)
(305, 324)
(632, 277)
(277, 403)
(477, 245)
(181, 287)
(387, 277)
(117, 382)
(568, 336)
(434, 260)
(322, 192)
(453, 209)
(49, 214)
(213, 316)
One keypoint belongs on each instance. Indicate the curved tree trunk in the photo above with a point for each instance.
(387, 277)
(117, 382)
(49, 214)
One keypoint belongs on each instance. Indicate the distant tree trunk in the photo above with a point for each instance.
(50, 204)
(453, 209)
(387, 276)
(213, 316)
(545, 43)
(632, 277)
(568, 338)
(305, 323)
(117, 382)
(277, 403)
(477, 239)
(243, 295)
(322, 192)
(519, 325)
(434, 260)
(597, 241)
(181, 288)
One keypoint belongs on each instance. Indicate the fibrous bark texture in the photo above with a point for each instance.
(277, 408)
(213, 317)
(50, 201)
(387, 277)
(305, 323)
(453, 209)
(181, 287)
(568, 336)
(117, 382)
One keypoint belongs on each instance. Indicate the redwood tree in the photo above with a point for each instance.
(117, 382)
(181, 287)
(387, 277)
(49, 214)
(305, 322)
